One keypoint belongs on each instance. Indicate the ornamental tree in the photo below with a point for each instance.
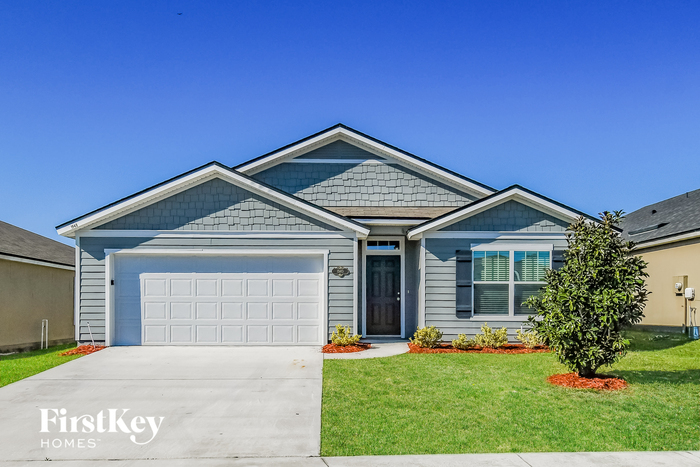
(598, 292)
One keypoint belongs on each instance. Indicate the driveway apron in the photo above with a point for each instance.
(216, 402)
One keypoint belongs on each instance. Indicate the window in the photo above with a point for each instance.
(503, 280)
(383, 244)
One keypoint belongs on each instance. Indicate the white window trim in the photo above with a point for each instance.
(400, 252)
(110, 255)
(511, 279)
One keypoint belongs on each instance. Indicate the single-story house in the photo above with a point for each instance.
(667, 235)
(336, 228)
(36, 283)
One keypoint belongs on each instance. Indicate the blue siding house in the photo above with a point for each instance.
(337, 228)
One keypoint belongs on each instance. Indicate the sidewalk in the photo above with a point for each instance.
(553, 459)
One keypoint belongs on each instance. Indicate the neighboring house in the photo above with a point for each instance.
(667, 235)
(337, 228)
(36, 283)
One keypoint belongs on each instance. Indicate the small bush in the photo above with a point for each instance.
(462, 343)
(491, 339)
(530, 339)
(427, 337)
(342, 336)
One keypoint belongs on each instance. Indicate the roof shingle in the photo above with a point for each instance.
(674, 216)
(21, 243)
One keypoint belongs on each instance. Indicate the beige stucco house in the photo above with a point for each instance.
(668, 238)
(37, 277)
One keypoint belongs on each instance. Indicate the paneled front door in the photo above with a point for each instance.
(384, 295)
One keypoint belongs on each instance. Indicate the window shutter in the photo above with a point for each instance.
(557, 259)
(464, 280)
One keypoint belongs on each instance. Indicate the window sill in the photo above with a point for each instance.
(518, 318)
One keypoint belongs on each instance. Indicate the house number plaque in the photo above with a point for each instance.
(341, 271)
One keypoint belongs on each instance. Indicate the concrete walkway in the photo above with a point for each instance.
(218, 403)
(579, 459)
(378, 349)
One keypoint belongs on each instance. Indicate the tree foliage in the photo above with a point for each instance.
(598, 292)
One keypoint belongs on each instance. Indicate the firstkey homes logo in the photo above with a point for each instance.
(141, 430)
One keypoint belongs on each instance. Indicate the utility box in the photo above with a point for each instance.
(680, 283)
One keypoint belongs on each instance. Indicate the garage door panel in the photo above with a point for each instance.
(207, 310)
(232, 334)
(232, 287)
(185, 301)
(257, 334)
(181, 310)
(283, 311)
(231, 310)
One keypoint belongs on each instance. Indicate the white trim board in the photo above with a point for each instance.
(478, 235)
(512, 247)
(36, 262)
(665, 241)
(215, 234)
(350, 137)
(110, 254)
(402, 254)
(207, 173)
(513, 194)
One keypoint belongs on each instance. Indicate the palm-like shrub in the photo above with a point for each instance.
(491, 339)
(428, 337)
(342, 336)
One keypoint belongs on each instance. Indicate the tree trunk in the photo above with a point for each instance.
(587, 372)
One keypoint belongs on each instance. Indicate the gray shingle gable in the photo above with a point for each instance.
(365, 184)
(216, 205)
(510, 216)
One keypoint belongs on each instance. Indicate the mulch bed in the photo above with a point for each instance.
(506, 349)
(573, 380)
(83, 350)
(332, 348)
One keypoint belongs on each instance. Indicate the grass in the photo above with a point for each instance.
(466, 403)
(22, 365)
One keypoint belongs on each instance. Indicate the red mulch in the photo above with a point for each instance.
(332, 348)
(83, 350)
(507, 349)
(573, 380)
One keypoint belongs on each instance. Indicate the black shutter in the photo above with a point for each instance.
(557, 259)
(464, 280)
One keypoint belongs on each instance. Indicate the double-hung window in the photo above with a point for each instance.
(503, 278)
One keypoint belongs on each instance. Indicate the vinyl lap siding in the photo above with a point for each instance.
(441, 284)
(92, 271)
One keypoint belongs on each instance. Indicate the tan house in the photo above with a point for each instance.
(37, 277)
(667, 235)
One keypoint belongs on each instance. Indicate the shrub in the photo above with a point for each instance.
(427, 337)
(530, 339)
(462, 343)
(342, 336)
(491, 339)
(598, 292)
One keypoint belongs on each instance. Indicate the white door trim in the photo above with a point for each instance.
(109, 274)
(402, 254)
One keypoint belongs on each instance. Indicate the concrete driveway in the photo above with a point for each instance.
(217, 402)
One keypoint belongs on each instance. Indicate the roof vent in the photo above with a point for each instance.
(653, 211)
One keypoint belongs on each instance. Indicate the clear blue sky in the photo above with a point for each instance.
(595, 104)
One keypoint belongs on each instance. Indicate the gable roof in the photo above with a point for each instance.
(664, 220)
(21, 243)
(516, 193)
(373, 145)
(195, 177)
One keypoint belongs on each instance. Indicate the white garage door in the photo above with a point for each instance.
(219, 300)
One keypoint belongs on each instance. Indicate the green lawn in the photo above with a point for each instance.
(461, 403)
(22, 365)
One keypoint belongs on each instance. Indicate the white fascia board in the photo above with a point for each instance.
(374, 147)
(666, 241)
(36, 262)
(512, 246)
(389, 222)
(500, 235)
(213, 251)
(192, 179)
(515, 194)
(214, 234)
